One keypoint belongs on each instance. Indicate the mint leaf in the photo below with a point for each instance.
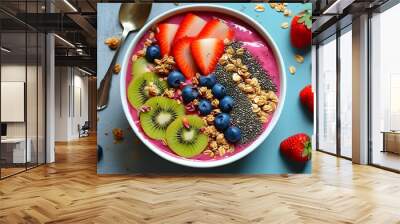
(308, 24)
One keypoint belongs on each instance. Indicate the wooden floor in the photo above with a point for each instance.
(69, 191)
(10, 171)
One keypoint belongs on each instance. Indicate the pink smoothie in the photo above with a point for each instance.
(251, 40)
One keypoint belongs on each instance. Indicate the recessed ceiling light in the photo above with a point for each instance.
(84, 71)
(64, 40)
(70, 5)
(337, 7)
(5, 50)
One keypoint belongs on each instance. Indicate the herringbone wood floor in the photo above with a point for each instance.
(69, 191)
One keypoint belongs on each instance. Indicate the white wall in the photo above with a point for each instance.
(34, 125)
(71, 87)
(16, 72)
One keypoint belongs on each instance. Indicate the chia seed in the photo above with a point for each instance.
(242, 115)
(255, 68)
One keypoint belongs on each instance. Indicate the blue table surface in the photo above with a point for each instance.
(131, 157)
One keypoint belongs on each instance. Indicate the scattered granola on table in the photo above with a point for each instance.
(118, 134)
(113, 42)
(117, 68)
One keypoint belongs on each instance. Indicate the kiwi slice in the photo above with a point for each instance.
(137, 94)
(140, 66)
(186, 140)
(162, 112)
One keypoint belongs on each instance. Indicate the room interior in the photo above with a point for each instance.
(49, 122)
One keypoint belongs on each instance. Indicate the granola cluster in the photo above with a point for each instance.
(164, 65)
(281, 7)
(217, 144)
(151, 89)
(113, 42)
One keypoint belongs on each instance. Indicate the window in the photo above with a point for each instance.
(22, 76)
(385, 89)
(327, 96)
(346, 92)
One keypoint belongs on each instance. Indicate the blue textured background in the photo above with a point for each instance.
(131, 156)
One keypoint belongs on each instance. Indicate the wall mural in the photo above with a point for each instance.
(206, 88)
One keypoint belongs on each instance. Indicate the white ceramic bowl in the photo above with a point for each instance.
(208, 8)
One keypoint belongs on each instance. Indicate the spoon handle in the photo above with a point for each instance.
(103, 91)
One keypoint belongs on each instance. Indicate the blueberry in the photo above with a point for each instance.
(208, 81)
(213, 80)
(153, 52)
(205, 107)
(222, 121)
(218, 91)
(189, 93)
(232, 134)
(203, 81)
(226, 104)
(175, 78)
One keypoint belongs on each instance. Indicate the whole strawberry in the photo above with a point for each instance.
(307, 98)
(300, 30)
(297, 148)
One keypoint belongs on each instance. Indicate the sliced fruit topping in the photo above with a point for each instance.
(190, 26)
(140, 66)
(163, 111)
(165, 35)
(216, 28)
(187, 142)
(206, 53)
(144, 86)
(183, 57)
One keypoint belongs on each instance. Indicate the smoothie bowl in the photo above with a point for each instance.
(202, 85)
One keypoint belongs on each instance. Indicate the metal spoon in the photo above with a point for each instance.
(132, 17)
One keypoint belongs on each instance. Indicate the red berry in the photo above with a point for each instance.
(206, 53)
(300, 30)
(190, 26)
(165, 35)
(297, 148)
(183, 57)
(216, 28)
(307, 98)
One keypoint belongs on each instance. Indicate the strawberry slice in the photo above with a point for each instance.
(190, 26)
(165, 35)
(183, 57)
(206, 53)
(216, 28)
